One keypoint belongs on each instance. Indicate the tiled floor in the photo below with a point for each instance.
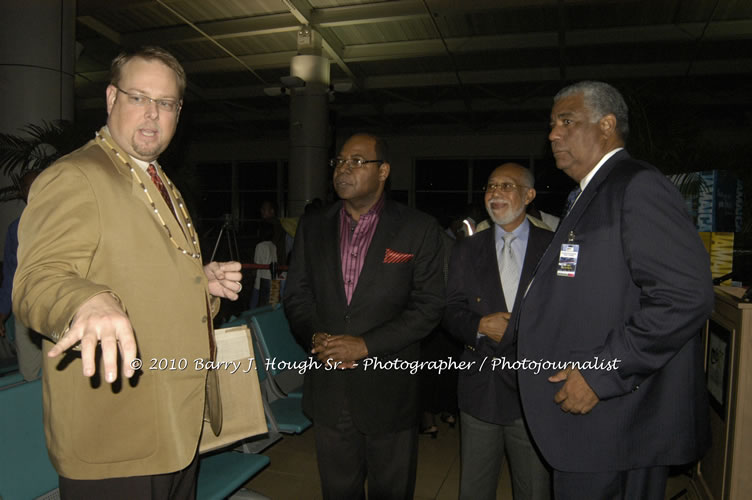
(293, 475)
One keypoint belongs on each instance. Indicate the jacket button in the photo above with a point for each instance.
(347, 317)
(203, 319)
(197, 279)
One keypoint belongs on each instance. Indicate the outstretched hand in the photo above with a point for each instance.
(101, 320)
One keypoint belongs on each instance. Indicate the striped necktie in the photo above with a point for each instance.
(573, 195)
(152, 171)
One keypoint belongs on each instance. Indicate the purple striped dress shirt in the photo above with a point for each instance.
(354, 240)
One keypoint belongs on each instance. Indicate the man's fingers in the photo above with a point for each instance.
(88, 354)
(232, 276)
(128, 353)
(560, 396)
(560, 376)
(230, 266)
(109, 357)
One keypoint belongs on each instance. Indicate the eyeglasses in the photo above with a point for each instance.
(340, 163)
(168, 105)
(503, 186)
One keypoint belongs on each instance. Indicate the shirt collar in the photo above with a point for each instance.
(374, 210)
(586, 180)
(521, 232)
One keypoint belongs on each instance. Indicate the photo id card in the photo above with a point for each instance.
(568, 260)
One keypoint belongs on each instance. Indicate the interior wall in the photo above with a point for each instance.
(403, 150)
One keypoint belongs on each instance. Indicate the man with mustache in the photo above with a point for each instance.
(626, 286)
(110, 271)
(365, 281)
(487, 274)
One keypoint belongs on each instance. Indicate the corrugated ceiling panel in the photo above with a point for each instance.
(395, 31)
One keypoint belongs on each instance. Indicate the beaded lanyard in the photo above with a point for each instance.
(175, 194)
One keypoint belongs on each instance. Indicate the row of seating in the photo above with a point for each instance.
(27, 472)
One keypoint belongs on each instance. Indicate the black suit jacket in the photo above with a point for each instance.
(473, 291)
(641, 292)
(393, 307)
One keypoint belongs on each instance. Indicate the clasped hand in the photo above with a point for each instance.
(342, 351)
(494, 325)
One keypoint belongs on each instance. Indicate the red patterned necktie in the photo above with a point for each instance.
(161, 187)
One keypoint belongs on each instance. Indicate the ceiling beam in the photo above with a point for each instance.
(542, 74)
(233, 28)
(549, 74)
(402, 50)
(302, 11)
(685, 32)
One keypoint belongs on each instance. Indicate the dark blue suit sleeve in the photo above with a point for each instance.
(667, 261)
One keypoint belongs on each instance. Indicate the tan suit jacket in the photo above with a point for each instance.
(90, 228)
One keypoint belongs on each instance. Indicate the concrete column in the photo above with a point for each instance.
(308, 174)
(37, 67)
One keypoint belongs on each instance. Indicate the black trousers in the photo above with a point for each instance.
(347, 457)
(180, 485)
(644, 484)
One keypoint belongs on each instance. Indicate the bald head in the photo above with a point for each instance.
(508, 192)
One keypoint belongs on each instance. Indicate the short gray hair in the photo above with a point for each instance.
(529, 177)
(601, 99)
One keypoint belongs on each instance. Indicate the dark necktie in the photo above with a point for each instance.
(161, 187)
(573, 194)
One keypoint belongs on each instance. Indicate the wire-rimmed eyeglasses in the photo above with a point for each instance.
(168, 105)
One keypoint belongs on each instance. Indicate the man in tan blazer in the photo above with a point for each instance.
(110, 271)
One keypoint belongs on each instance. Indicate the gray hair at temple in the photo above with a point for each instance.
(528, 176)
(601, 99)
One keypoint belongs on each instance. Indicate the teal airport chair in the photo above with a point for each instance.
(278, 344)
(25, 469)
(26, 472)
(222, 474)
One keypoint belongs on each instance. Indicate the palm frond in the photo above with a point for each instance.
(690, 184)
(9, 193)
(38, 146)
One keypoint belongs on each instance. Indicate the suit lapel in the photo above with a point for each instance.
(568, 223)
(330, 250)
(176, 231)
(386, 230)
(487, 264)
(142, 188)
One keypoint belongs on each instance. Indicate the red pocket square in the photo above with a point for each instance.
(392, 257)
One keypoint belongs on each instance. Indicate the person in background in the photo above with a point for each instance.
(488, 274)
(27, 342)
(282, 241)
(265, 253)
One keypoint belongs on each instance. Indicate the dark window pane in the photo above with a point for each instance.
(441, 174)
(215, 176)
(213, 205)
(254, 176)
(444, 206)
